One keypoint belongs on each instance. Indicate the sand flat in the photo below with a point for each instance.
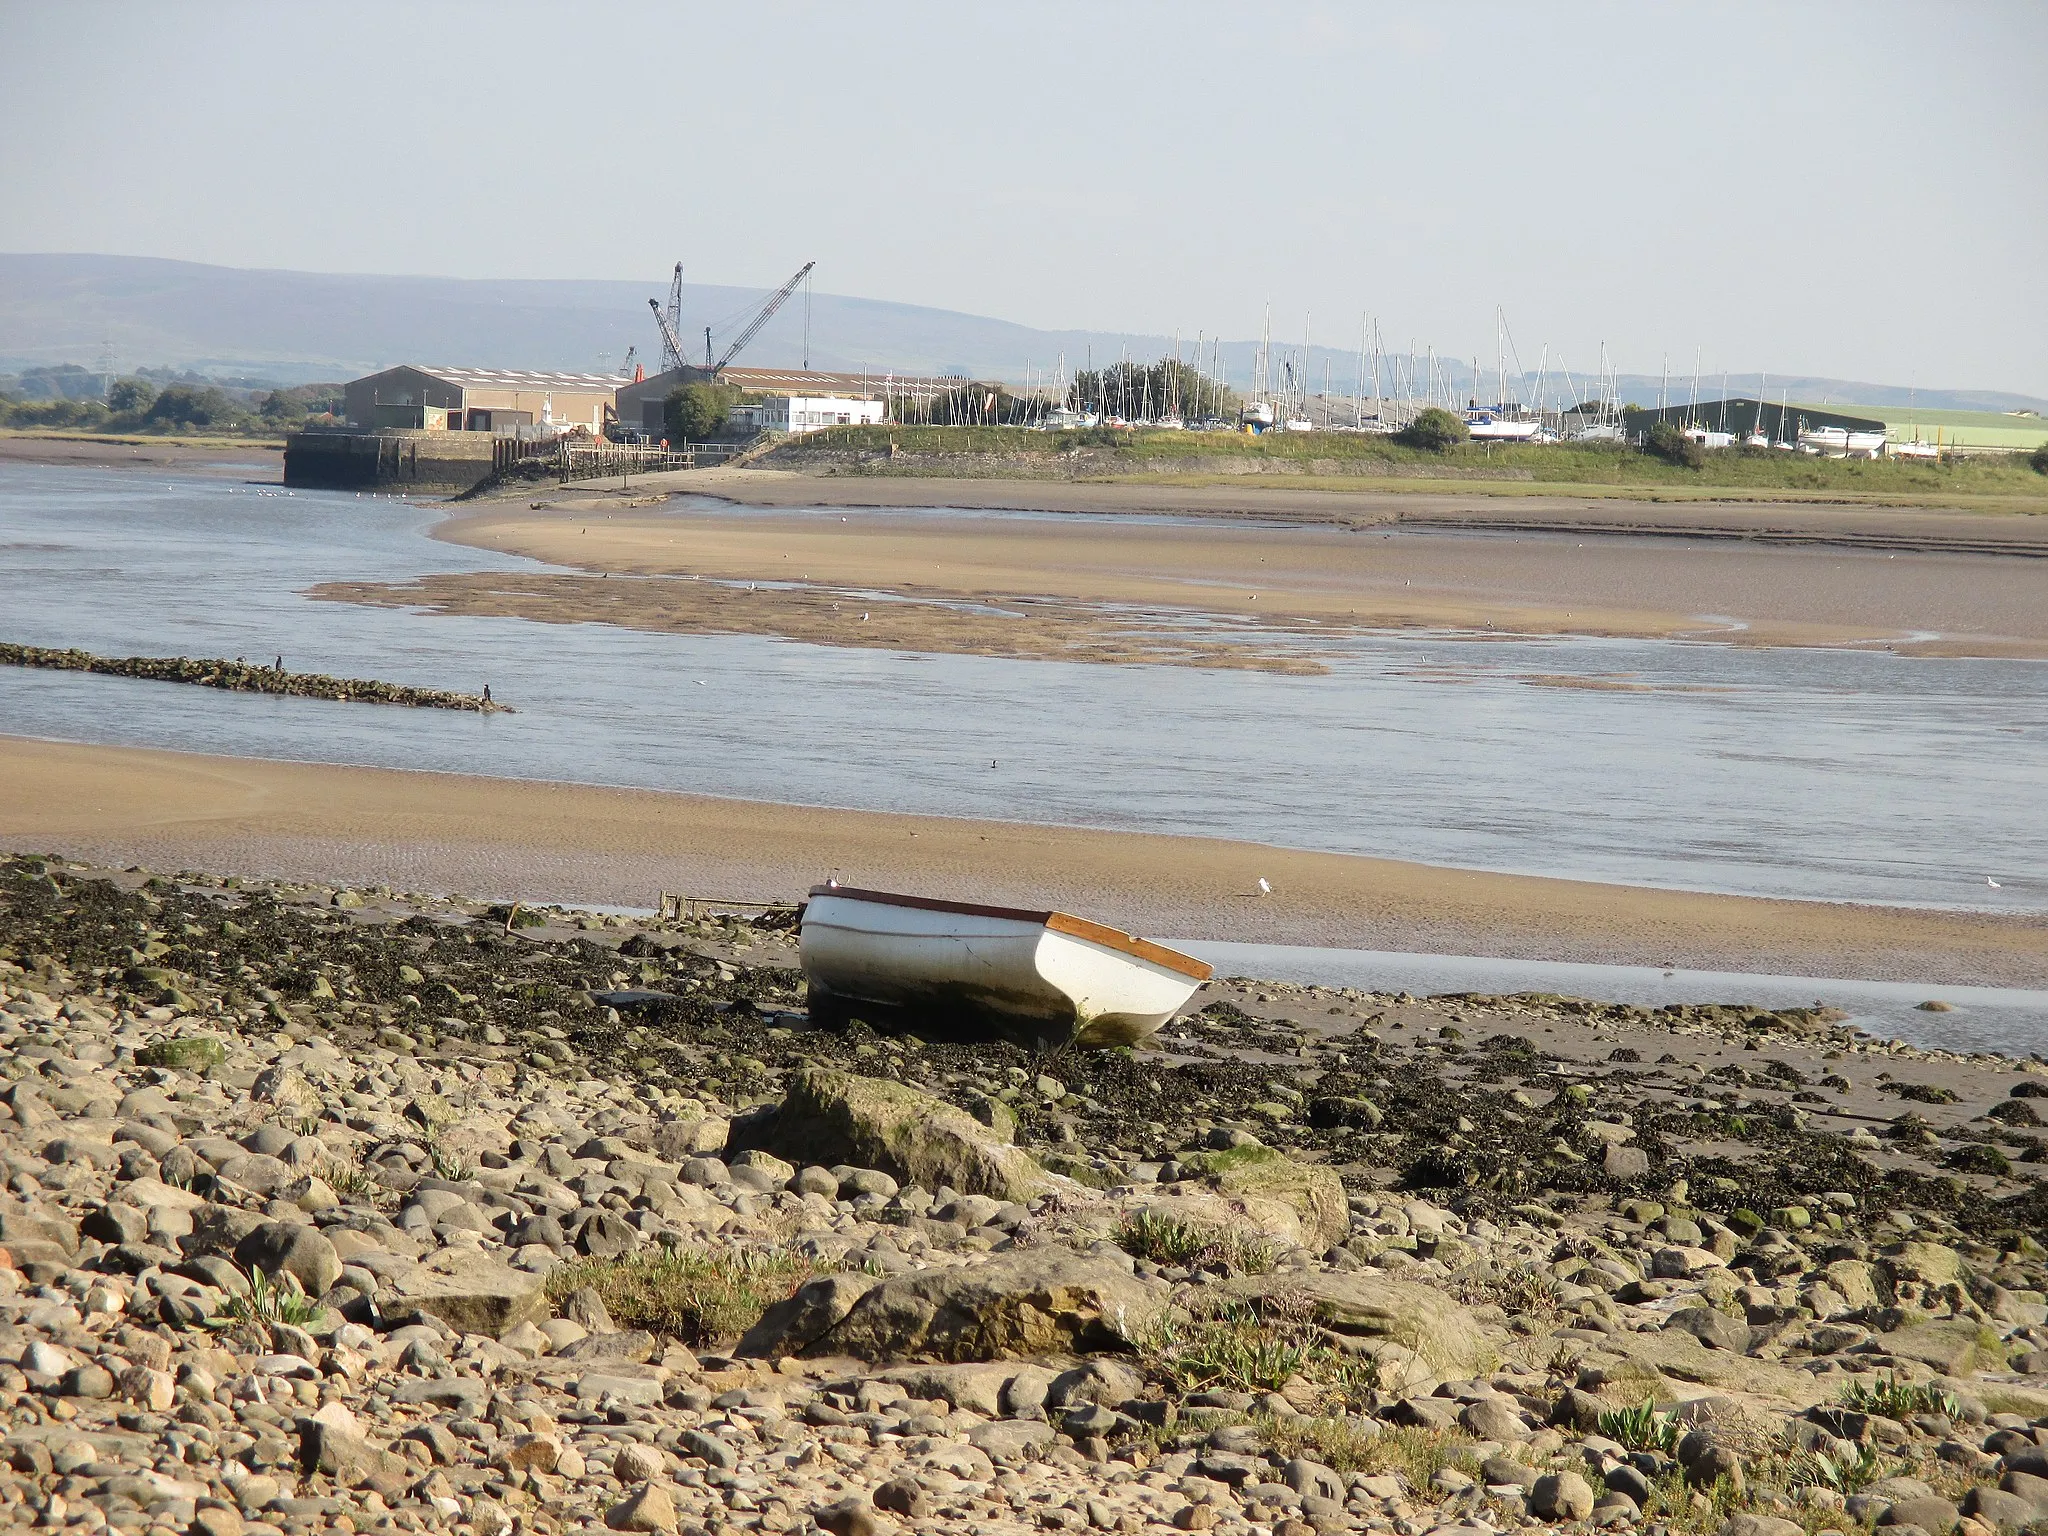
(541, 841)
(1861, 577)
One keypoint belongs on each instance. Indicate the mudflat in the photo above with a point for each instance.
(567, 842)
(207, 456)
(1279, 569)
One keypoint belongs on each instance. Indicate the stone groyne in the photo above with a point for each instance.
(243, 677)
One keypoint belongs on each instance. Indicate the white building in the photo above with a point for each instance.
(806, 413)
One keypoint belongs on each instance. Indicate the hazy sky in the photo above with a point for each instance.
(1855, 189)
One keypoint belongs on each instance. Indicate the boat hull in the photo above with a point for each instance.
(961, 969)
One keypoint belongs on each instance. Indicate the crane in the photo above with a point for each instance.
(671, 349)
(753, 327)
(672, 352)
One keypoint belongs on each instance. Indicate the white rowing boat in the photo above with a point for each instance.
(1039, 975)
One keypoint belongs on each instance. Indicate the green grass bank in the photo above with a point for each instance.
(1362, 462)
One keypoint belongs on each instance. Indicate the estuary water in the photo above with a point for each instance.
(1833, 774)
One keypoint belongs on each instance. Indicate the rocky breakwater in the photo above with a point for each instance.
(239, 676)
(342, 1211)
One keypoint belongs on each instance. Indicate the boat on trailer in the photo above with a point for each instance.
(1031, 975)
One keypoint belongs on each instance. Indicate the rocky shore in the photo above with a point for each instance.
(342, 1210)
(239, 676)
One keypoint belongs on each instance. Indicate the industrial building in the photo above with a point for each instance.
(788, 395)
(1888, 430)
(494, 400)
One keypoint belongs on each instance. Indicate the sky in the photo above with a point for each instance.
(1854, 189)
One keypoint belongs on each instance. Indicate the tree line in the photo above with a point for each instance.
(137, 404)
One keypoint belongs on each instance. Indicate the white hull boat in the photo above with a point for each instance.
(1034, 975)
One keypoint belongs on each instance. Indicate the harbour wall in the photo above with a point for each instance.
(391, 457)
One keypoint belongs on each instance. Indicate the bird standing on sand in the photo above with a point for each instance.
(1264, 888)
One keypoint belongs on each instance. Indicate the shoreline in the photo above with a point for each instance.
(511, 839)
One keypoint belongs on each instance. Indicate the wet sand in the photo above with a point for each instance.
(557, 842)
(1908, 582)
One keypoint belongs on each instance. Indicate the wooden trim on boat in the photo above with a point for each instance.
(1058, 922)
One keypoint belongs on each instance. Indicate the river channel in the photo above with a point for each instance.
(1832, 774)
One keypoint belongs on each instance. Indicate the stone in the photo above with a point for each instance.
(347, 1458)
(830, 1117)
(149, 1389)
(1011, 1440)
(1375, 1311)
(1032, 1302)
(1995, 1508)
(529, 1453)
(1313, 1479)
(1683, 1263)
(586, 1309)
(1759, 1525)
(677, 1140)
(1561, 1496)
(1712, 1327)
(1953, 1346)
(217, 1519)
(291, 1248)
(88, 1381)
(903, 1496)
(976, 1387)
(1493, 1418)
(637, 1463)
(852, 1516)
(791, 1325)
(1932, 1514)
(2029, 1486)
(646, 1508)
(606, 1235)
(1624, 1164)
(1024, 1394)
(708, 1448)
(470, 1291)
(1313, 1192)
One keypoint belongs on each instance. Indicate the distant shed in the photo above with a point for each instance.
(494, 400)
(1962, 431)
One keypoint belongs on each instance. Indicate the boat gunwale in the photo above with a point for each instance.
(1057, 922)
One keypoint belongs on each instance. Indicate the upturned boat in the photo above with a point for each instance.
(964, 968)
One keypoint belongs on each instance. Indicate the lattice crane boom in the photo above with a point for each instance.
(766, 313)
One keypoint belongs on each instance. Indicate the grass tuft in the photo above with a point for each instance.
(1641, 1428)
(269, 1301)
(1890, 1397)
(696, 1295)
(1192, 1245)
(1239, 1346)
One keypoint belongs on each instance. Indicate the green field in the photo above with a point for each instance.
(1360, 462)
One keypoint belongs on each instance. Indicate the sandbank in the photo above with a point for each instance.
(504, 838)
(1101, 588)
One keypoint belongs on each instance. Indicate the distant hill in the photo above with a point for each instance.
(295, 327)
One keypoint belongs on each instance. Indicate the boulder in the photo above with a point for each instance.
(1561, 1496)
(1712, 1327)
(1027, 1303)
(647, 1508)
(1440, 1332)
(291, 1248)
(1254, 1173)
(1930, 1513)
(830, 1117)
(469, 1291)
(794, 1323)
(1954, 1346)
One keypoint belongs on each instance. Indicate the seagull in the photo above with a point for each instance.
(1993, 883)
(1265, 889)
